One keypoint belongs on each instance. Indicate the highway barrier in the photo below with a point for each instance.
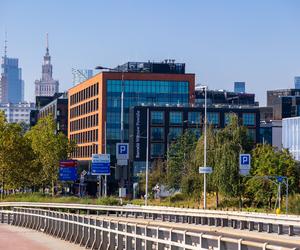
(260, 222)
(94, 233)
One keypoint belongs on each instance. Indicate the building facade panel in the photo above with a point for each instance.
(291, 136)
(176, 120)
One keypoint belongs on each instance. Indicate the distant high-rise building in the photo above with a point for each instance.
(297, 82)
(11, 83)
(80, 75)
(239, 87)
(46, 86)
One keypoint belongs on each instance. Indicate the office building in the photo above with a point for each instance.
(291, 136)
(285, 103)
(224, 97)
(17, 112)
(167, 123)
(46, 86)
(58, 109)
(11, 83)
(97, 101)
(271, 133)
(297, 82)
(239, 87)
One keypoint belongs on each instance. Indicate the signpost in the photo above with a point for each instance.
(245, 164)
(205, 170)
(101, 166)
(122, 153)
(68, 170)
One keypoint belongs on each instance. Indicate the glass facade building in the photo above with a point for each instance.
(12, 85)
(291, 136)
(140, 92)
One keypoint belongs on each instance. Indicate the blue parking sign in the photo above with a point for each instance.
(245, 160)
(122, 151)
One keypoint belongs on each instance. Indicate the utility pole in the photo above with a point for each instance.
(205, 144)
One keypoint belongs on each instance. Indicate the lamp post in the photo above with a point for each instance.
(205, 169)
(122, 117)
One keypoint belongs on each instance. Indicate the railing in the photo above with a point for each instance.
(94, 233)
(282, 224)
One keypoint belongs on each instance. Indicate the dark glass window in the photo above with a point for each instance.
(157, 134)
(213, 118)
(157, 149)
(248, 119)
(194, 117)
(157, 117)
(175, 117)
(252, 134)
(174, 133)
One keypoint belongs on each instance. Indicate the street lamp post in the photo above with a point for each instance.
(205, 145)
(147, 160)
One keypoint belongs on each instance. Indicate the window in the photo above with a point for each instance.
(175, 117)
(194, 117)
(157, 134)
(157, 117)
(213, 118)
(174, 133)
(157, 149)
(248, 119)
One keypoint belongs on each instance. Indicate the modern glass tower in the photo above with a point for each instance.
(11, 84)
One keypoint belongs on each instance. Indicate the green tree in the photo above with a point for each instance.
(49, 148)
(268, 161)
(178, 158)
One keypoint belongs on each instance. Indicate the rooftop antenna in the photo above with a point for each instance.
(5, 44)
(47, 44)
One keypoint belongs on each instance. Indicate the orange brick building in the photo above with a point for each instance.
(95, 103)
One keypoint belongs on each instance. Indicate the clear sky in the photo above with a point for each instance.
(220, 41)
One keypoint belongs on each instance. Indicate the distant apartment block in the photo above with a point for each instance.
(17, 112)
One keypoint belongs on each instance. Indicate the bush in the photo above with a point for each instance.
(294, 204)
(177, 197)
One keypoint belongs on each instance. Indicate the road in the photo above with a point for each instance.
(19, 238)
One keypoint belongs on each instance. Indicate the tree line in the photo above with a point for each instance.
(30, 158)
(180, 170)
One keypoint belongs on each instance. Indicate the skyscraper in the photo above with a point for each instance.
(46, 86)
(11, 83)
(297, 82)
(239, 87)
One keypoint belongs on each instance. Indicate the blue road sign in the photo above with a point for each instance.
(101, 168)
(280, 179)
(68, 173)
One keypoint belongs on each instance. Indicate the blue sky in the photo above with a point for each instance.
(221, 41)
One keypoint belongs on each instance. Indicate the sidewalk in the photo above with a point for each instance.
(12, 238)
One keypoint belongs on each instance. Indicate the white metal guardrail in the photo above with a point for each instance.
(282, 224)
(93, 233)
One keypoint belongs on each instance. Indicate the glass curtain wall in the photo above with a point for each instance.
(138, 92)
